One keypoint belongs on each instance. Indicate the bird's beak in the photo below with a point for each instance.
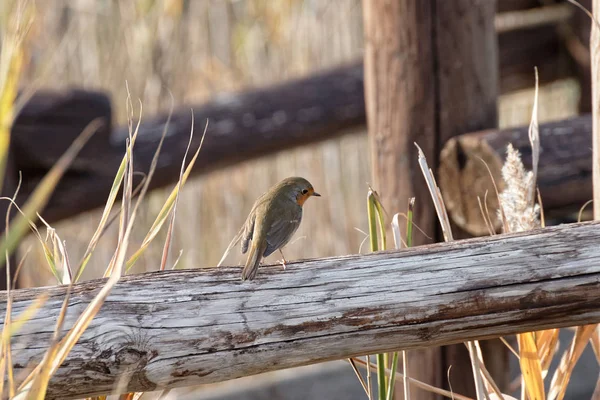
(316, 194)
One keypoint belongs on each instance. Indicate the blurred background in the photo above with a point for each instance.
(198, 50)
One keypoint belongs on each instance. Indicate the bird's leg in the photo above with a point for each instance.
(282, 261)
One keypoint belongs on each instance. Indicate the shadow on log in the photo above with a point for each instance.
(189, 327)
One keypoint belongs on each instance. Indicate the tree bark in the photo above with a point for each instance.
(189, 327)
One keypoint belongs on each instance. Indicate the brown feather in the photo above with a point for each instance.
(257, 248)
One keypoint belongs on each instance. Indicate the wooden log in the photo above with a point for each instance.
(533, 17)
(564, 174)
(464, 67)
(242, 126)
(188, 327)
(50, 122)
(400, 97)
(549, 56)
(467, 68)
(520, 22)
(467, 76)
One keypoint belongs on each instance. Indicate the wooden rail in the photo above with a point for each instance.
(564, 175)
(188, 327)
(242, 126)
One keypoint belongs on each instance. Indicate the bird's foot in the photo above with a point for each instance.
(283, 263)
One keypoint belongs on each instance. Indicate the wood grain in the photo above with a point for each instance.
(169, 329)
(466, 66)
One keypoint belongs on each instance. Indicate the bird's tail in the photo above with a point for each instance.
(257, 249)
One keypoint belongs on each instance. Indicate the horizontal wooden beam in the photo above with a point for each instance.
(242, 126)
(189, 327)
(51, 120)
(533, 17)
(564, 174)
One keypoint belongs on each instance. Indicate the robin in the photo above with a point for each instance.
(273, 220)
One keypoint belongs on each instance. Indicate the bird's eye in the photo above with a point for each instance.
(304, 191)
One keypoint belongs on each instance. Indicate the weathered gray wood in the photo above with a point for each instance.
(189, 327)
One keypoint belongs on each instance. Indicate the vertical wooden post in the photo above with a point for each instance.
(400, 100)
(468, 88)
(431, 72)
(400, 103)
(581, 25)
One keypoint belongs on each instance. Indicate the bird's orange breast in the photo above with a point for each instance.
(302, 198)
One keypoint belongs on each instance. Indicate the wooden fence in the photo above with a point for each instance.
(438, 103)
(188, 327)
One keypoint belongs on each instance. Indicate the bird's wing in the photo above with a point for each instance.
(248, 230)
(281, 231)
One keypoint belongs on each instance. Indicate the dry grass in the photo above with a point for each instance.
(35, 384)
